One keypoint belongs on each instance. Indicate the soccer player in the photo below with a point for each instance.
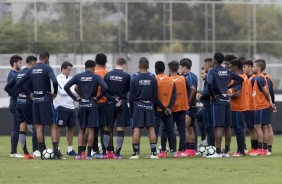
(269, 127)
(184, 69)
(24, 105)
(205, 98)
(218, 79)
(43, 110)
(239, 96)
(263, 106)
(166, 100)
(16, 63)
(143, 100)
(65, 106)
(227, 59)
(117, 110)
(180, 106)
(249, 115)
(87, 83)
(100, 69)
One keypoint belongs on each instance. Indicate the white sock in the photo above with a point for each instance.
(70, 148)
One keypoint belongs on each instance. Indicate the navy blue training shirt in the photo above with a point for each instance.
(87, 83)
(23, 98)
(193, 80)
(218, 80)
(137, 73)
(11, 75)
(118, 83)
(143, 87)
(40, 75)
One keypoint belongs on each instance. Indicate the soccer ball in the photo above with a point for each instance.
(202, 150)
(48, 154)
(159, 150)
(210, 150)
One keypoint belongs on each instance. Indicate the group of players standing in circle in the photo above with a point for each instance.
(233, 95)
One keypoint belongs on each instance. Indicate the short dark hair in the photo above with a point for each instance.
(238, 63)
(248, 63)
(160, 66)
(90, 64)
(208, 60)
(44, 54)
(65, 65)
(186, 62)
(173, 66)
(29, 59)
(261, 63)
(15, 59)
(229, 57)
(144, 63)
(101, 59)
(121, 61)
(219, 57)
(242, 58)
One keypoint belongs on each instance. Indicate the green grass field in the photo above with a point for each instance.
(184, 170)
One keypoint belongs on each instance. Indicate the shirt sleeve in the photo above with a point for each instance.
(20, 83)
(271, 90)
(173, 97)
(261, 82)
(9, 86)
(131, 96)
(210, 79)
(68, 85)
(104, 88)
(237, 79)
(53, 78)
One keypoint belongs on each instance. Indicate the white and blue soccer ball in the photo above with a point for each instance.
(202, 150)
(159, 150)
(210, 150)
(48, 154)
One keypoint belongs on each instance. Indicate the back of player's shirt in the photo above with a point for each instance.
(101, 72)
(219, 78)
(23, 97)
(241, 103)
(193, 80)
(181, 102)
(143, 88)
(40, 75)
(260, 101)
(118, 83)
(165, 89)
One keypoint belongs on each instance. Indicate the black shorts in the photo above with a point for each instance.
(221, 114)
(65, 117)
(237, 120)
(249, 117)
(192, 112)
(88, 117)
(143, 119)
(120, 115)
(263, 116)
(179, 117)
(207, 117)
(24, 113)
(102, 113)
(43, 113)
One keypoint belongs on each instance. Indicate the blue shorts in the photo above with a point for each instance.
(143, 119)
(65, 117)
(120, 115)
(192, 112)
(237, 120)
(102, 113)
(263, 116)
(43, 113)
(24, 113)
(88, 117)
(207, 117)
(221, 114)
(249, 117)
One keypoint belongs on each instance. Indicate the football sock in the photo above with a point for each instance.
(41, 146)
(259, 145)
(135, 149)
(192, 146)
(218, 151)
(22, 136)
(89, 149)
(106, 139)
(95, 144)
(254, 144)
(264, 146)
(70, 148)
(187, 145)
(153, 148)
(227, 149)
(269, 148)
(120, 139)
(79, 150)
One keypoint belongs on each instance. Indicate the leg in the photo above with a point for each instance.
(81, 144)
(22, 136)
(270, 138)
(136, 140)
(168, 124)
(90, 140)
(120, 139)
(34, 139)
(218, 139)
(152, 139)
